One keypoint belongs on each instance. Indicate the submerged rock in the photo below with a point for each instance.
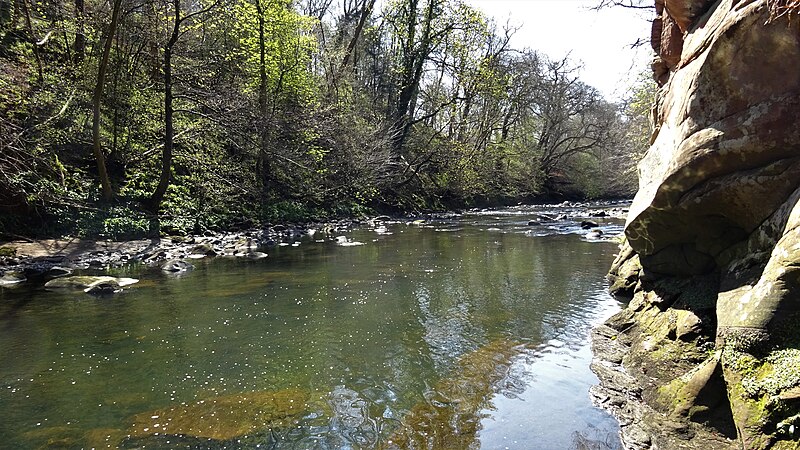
(450, 418)
(224, 418)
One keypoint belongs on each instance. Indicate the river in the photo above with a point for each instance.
(468, 331)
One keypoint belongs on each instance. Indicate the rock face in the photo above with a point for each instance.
(711, 336)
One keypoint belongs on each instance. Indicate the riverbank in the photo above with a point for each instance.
(43, 259)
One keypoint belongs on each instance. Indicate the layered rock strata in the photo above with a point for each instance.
(707, 353)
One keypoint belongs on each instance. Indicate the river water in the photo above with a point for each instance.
(470, 331)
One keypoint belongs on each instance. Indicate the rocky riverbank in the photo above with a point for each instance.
(707, 353)
(39, 261)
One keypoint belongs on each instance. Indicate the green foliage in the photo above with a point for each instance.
(289, 46)
(432, 108)
(290, 211)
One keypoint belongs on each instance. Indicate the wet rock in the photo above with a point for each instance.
(587, 224)
(84, 282)
(12, 278)
(103, 288)
(252, 255)
(205, 249)
(176, 266)
(58, 271)
(344, 241)
(594, 235)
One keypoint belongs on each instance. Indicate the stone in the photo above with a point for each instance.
(205, 249)
(176, 266)
(58, 271)
(686, 12)
(103, 288)
(587, 224)
(252, 255)
(671, 42)
(624, 275)
(688, 325)
(84, 282)
(12, 278)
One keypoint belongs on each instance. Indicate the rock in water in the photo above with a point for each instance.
(12, 278)
(451, 419)
(176, 266)
(84, 282)
(103, 288)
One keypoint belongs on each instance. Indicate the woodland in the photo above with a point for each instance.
(123, 118)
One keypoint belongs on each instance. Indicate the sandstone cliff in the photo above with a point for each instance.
(707, 354)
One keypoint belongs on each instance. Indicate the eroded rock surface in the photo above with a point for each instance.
(707, 354)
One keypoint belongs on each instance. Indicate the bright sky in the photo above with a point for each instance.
(600, 40)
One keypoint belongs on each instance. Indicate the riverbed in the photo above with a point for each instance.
(463, 331)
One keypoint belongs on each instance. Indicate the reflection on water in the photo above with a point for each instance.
(467, 332)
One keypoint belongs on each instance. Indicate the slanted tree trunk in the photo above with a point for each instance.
(366, 10)
(97, 147)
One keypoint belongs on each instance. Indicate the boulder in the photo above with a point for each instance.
(12, 278)
(176, 266)
(715, 229)
(89, 283)
(205, 249)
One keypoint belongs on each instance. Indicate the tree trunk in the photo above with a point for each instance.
(412, 74)
(80, 37)
(26, 11)
(264, 168)
(99, 157)
(169, 127)
(365, 13)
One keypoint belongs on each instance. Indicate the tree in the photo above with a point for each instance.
(102, 68)
(178, 19)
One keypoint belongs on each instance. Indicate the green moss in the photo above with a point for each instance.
(779, 372)
(8, 251)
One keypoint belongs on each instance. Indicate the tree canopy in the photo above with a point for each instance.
(118, 116)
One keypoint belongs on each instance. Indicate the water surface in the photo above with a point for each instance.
(465, 332)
